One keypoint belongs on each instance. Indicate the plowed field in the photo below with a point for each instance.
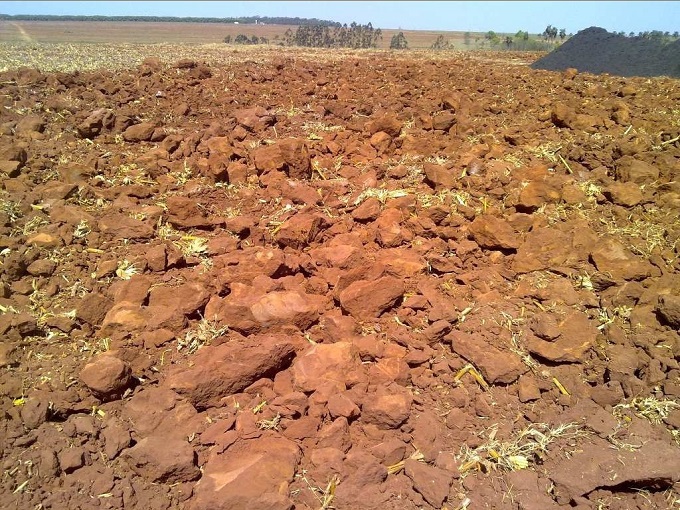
(276, 279)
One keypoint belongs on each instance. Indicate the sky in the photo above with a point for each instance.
(499, 16)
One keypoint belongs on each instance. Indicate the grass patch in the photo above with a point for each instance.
(547, 151)
(645, 232)
(324, 496)
(517, 453)
(203, 334)
(183, 176)
(31, 226)
(192, 246)
(82, 230)
(651, 408)
(316, 126)
(383, 195)
(126, 270)
(11, 209)
(608, 316)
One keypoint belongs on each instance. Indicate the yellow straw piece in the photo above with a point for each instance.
(474, 372)
(562, 389)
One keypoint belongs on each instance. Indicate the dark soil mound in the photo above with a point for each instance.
(594, 50)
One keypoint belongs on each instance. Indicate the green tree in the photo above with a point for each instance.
(288, 37)
(492, 37)
(523, 35)
(399, 42)
(440, 43)
(563, 33)
(340, 36)
(550, 33)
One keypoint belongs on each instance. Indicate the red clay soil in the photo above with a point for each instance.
(596, 51)
(377, 281)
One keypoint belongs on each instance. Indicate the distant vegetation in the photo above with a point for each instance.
(399, 42)
(654, 35)
(244, 39)
(173, 19)
(550, 33)
(440, 44)
(317, 36)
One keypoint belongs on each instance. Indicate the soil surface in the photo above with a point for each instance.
(594, 50)
(356, 281)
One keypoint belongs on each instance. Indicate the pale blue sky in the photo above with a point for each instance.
(500, 16)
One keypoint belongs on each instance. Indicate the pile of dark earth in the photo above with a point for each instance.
(596, 51)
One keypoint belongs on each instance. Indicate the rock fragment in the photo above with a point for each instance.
(106, 376)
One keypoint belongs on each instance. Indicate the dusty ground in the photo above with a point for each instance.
(367, 280)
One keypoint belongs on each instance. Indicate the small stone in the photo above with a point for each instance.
(97, 122)
(163, 459)
(669, 309)
(300, 230)
(49, 464)
(439, 177)
(367, 300)
(342, 405)
(431, 482)
(251, 474)
(494, 233)
(627, 194)
(9, 354)
(536, 194)
(34, 412)
(369, 210)
(42, 267)
(387, 123)
(106, 376)
(323, 363)
(230, 368)
(528, 389)
(655, 463)
(381, 142)
(71, 459)
(629, 169)
(577, 335)
(545, 326)
(44, 240)
(387, 411)
(495, 365)
(116, 438)
(443, 121)
(614, 259)
(93, 308)
(139, 132)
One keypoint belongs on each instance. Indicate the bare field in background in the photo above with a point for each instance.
(187, 33)
(89, 45)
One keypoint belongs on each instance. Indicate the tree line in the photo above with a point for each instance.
(244, 39)
(653, 35)
(319, 36)
(173, 19)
